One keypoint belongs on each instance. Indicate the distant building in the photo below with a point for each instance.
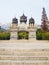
(31, 29)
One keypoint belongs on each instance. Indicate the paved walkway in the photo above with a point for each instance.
(24, 41)
(24, 44)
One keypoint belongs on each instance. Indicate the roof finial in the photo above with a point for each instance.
(23, 13)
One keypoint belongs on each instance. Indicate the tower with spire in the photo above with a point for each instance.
(44, 15)
(44, 24)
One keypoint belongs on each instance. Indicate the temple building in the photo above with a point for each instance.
(30, 29)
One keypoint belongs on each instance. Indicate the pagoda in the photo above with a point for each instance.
(45, 22)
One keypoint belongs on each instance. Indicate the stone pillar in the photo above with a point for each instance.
(13, 31)
(32, 35)
(32, 32)
(13, 35)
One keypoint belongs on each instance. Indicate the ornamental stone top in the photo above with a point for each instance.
(15, 20)
(23, 18)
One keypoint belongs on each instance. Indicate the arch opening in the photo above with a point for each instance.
(23, 35)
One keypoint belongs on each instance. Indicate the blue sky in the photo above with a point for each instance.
(15, 8)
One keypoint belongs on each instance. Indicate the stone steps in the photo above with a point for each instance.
(32, 52)
(24, 63)
(24, 56)
(21, 58)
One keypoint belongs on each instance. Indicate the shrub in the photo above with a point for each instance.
(22, 35)
(39, 34)
(45, 36)
(42, 35)
(4, 35)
